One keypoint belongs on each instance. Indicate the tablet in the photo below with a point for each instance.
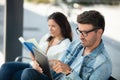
(43, 62)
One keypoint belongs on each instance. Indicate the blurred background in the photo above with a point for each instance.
(35, 13)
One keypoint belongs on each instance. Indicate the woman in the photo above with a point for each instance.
(53, 44)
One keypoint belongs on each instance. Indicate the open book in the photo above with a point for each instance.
(30, 44)
(34, 48)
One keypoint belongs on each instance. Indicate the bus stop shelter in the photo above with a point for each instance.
(13, 28)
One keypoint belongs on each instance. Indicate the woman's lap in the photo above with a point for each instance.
(32, 74)
(8, 70)
(18, 71)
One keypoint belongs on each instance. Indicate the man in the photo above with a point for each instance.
(84, 60)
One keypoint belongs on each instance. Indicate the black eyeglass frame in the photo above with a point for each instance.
(85, 33)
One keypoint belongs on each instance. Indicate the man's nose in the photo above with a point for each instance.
(81, 36)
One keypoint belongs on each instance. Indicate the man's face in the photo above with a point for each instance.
(88, 35)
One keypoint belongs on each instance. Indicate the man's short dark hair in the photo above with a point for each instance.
(92, 17)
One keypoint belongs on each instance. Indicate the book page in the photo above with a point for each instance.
(30, 44)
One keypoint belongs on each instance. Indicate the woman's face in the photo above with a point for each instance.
(54, 28)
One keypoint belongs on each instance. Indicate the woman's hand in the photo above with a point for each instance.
(35, 64)
(37, 67)
(59, 66)
(32, 56)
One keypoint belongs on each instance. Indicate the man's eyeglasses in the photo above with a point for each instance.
(85, 33)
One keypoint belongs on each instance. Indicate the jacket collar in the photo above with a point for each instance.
(96, 51)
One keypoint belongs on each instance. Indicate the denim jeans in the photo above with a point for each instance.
(32, 74)
(12, 70)
(20, 71)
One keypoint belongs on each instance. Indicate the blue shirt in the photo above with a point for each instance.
(95, 66)
(76, 65)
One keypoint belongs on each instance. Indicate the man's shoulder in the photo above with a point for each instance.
(76, 42)
(100, 60)
(75, 45)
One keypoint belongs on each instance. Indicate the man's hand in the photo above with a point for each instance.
(59, 66)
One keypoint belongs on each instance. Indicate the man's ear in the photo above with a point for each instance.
(100, 31)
